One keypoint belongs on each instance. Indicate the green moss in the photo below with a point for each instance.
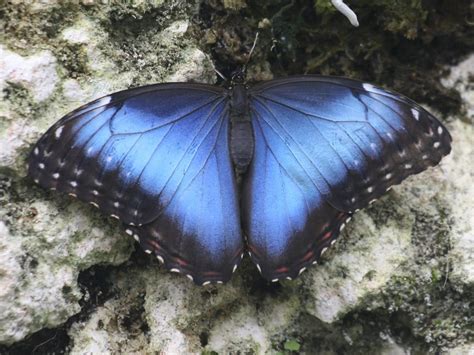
(73, 57)
(137, 43)
(436, 275)
(21, 100)
(133, 11)
(324, 6)
(404, 17)
(26, 27)
(292, 345)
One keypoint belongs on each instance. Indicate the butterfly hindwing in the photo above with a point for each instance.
(286, 220)
(156, 158)
(326, 147)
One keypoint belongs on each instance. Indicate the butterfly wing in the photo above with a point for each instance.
(156, 158)
(324, 148)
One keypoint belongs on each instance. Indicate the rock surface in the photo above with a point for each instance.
(459, 171)
(399, 279)
(36, 73)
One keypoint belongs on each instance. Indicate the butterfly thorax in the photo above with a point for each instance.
(241, 132)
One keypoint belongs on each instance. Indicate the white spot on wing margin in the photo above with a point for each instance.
(58, 131)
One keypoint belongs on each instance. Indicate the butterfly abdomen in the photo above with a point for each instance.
(241, 133)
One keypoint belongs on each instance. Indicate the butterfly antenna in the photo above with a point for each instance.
(220, 74)
(251, 52)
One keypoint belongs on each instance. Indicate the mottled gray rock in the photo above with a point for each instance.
(459, 170)
(467, 349)
(174, 309)
(44, 246)
(36, 73)
(178, 315)
(391, 258)
(252, 326)
(117, 325)
(459, 78)
(370, 257)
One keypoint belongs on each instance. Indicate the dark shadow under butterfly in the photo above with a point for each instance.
(199, 174)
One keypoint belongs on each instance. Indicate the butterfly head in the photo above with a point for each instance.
(238, 77)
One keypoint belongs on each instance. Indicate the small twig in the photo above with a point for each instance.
(346, 11)
(253, 46)
(446, 276)
(43, 343)
(251, 52)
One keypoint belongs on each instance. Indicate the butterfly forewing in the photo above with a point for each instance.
(156, 158)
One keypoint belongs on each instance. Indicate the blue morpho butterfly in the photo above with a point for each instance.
(199, 173)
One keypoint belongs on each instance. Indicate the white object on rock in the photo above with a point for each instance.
(346, 11)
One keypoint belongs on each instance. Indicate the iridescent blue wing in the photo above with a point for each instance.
(326, 147)
(157, 158)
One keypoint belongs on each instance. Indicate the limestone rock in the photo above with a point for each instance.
(37, 73)
(405, 261)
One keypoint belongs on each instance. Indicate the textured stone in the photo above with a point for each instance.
(193, 68)
(387, 270)
(459, 170)
(113, 328)
(36, 73)
(234, 4)
(459, 78)
(467, 349)
(373, 255)
(41, 255)
(179, 315)
(251, 328)
(174, 309)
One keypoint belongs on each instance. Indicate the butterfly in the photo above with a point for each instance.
(199, 174)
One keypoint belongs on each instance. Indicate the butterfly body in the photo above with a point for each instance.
(241, 134)
(190, 169)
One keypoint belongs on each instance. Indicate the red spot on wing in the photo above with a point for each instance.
(211, 274)
(309, 255)
(237, 254)
(154, 244)
(282, 269)
(181, 262)
(252, 249)
(326, 236)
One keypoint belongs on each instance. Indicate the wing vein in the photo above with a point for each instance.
(296, 159)
(316, 127)
(184, 155)
(307, 113)
(387, 122)
(289, 175)
(90, 137)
